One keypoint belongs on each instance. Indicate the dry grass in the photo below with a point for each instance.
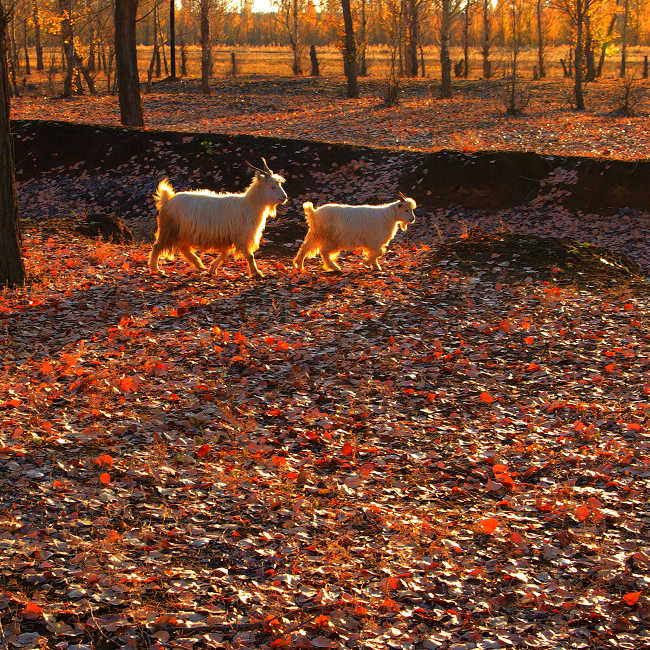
(277, 61)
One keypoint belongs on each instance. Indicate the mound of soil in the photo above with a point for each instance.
(517, 256)
(475, 180)
(109, 227)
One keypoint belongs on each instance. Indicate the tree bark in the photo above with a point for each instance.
(27, 64)
(315, 70)
(67, 37)
(37, 36)
(487, 73)
(411, 58)
(350, 51)
(445, 59)
(466, 40)
(363, 63)
(578, 91)
(206, 54)
(126, 63)
(172, 38)
(540, 41)
(12, 269)
(626, 15)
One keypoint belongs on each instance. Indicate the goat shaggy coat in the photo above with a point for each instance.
(218, 223)
(335, 227)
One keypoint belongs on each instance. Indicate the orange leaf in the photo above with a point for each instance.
(516, 538)
(489, 525)
(32, 611)
(104, 459)
(631, 597)
(347, 449)
(203, 450)
(104, 478)
(280, 643)
(486, 398)
(529, 340)
(583, 512)
(126, 384)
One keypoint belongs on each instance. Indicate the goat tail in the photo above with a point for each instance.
(164, 192)
(308, 207)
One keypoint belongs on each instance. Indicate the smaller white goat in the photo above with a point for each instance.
(335, 227)
(220, 223)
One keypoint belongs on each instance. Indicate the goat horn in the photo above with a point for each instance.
(267, 169)
(257, 169)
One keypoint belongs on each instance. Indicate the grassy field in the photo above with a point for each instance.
(277, 61)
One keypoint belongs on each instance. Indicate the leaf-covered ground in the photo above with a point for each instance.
(419, 458)
(311, 108)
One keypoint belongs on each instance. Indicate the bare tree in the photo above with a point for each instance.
(37, 35)
(487, 40)
(127, 63)
(363, 40)
(626, 16)
(578, 12)
(466, 15)
(412, 15)
(540, 40)
(289, 12)
(12, 269)
(206, 51)
(172, 38)
(350, 51)
(449, 11)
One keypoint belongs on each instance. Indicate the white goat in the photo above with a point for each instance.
(334, 227)
(220, 223)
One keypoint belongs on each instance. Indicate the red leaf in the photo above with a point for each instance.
(583, 512)
(104, 459)
(631, 597)
(33, 611)
(347, 449)
(203, 450)
(489, 525)
(486, 398)
(104, 478)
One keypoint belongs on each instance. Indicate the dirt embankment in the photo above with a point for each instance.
(474, 180)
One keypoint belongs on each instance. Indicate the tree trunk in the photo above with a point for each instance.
(37, 36)
(28, 69)
(486, 40)
(350, 51)
(12, 269)
(605, 42)
(466, 41)
(183, 58)
(295, 39)
(67, 37)
(540, 41)
(626, 15)
(206, 54)
(590, 56)
(315, 71)
(172, 38)
(411, 54)
(577, 69)
(126, 63)
(363, 63)
(445, 59)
